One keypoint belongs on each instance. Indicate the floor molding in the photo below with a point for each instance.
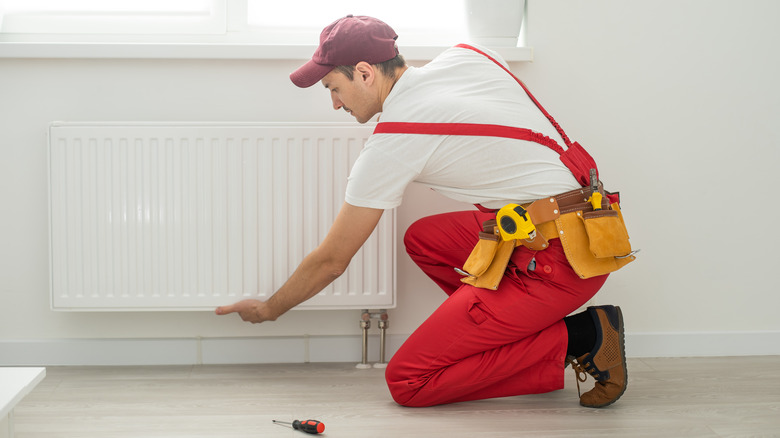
(703, 344)
(192, 351)
(347, 348)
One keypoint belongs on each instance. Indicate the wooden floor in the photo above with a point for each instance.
(692, 397)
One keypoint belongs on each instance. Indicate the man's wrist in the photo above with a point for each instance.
(273, 309)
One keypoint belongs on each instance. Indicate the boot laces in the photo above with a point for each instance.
(581, 372)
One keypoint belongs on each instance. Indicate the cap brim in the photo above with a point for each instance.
(309, 74)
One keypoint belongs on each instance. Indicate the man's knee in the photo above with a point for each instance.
(398, 382)
(413, 236)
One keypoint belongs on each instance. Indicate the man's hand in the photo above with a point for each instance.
(253, 311)
(326, 263)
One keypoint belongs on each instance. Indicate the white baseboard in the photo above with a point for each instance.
(192, 351)
(301, 349)
(692, 344)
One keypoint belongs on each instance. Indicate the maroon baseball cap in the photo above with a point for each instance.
(347, 41)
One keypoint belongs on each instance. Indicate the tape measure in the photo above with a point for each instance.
(515, 223)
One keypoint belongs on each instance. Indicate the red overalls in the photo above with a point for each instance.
(482, 343)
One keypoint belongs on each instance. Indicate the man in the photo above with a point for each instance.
(479, 343)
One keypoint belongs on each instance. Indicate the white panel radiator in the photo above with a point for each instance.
(186, 216)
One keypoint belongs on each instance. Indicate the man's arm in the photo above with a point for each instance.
(327, 262)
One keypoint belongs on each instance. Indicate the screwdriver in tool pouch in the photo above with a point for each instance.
(308, 426)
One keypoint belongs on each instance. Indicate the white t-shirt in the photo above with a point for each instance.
(459, 86)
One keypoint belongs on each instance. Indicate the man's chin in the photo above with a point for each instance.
(362, 119)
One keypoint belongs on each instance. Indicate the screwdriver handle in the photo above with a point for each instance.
(309, 426)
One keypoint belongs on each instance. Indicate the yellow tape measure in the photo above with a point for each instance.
(514, 223)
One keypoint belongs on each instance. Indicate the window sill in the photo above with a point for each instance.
(115, 50)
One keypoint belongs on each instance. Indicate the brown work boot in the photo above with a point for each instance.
(607, 362)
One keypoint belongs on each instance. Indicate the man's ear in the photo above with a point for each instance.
(365, 72)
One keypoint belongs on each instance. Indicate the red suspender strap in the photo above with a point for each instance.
(467, 129)
(538, 105)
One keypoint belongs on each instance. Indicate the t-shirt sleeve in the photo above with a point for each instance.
(378, 180)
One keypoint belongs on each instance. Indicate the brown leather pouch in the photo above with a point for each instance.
(595, 243)
(491, 277)
(607, 235)
(482, 255)
(488, 260)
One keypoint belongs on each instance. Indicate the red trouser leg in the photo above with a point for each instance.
(440, 243)
(480, 343)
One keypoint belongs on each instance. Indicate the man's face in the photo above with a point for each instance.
(355, 96)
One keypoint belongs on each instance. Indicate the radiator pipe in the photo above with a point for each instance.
(383, 326)
(365, 324)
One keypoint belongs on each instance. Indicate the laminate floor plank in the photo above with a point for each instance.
(667, 397)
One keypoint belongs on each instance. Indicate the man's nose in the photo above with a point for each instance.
(337, 104)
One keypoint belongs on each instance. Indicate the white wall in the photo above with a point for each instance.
(679, 102)
(676, 100)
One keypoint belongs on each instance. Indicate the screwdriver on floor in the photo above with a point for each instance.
(308, 426)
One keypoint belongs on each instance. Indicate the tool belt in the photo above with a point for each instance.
(595, 241)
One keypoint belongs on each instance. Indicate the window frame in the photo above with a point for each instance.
(56, 24)
(234, 40)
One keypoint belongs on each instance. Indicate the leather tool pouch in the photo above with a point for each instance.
(607, 234)
(488, 260)
(595, 242)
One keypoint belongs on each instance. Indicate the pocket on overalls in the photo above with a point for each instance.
(476, 312)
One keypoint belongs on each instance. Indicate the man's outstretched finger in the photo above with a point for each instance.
(248, 310)
(224, 310)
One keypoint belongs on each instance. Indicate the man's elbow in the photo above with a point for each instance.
(336, 269)
(330, 265)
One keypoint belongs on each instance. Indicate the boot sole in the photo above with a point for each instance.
(622, 343)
